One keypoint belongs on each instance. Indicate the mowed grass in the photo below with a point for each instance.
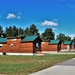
(25, 65)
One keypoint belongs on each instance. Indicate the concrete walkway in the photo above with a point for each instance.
(64, 68)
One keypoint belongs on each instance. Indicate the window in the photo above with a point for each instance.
(1, 45)
(11, 45)
(37, 46)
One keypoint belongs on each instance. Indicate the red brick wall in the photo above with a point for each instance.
(53, 47)
(20, 47)
(16, 45)
(64, 46)
(5, 47)
(26, 47)
(44, 46)
(73, 47)
(48, 47)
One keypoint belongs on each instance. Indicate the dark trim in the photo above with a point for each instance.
(2, 42)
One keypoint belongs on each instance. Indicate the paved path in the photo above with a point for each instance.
(64, 68)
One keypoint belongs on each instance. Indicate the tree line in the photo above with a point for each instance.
(14, 31)
(47, 35)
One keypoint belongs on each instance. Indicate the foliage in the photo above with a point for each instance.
(1, 30)
(68, 38)
(73, 40)
(63, 38)
(15, 31)
(33, 30)
(47, 35)
(9, 31)
(26, 31)
(20, 31)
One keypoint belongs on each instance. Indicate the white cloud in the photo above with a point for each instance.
(49, 23)
(11, 16)
(72, 36)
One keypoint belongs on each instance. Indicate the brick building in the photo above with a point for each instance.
(17, 46)
(53, 45)
(67, 45)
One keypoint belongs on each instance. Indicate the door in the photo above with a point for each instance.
(37, 46)
(59, 47)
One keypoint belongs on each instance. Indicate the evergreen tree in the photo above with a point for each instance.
(26, 31)
(63, 38)
(20, 31)
(9, 31)
(73, 40)
(1, 30)
(47, 35)
(15, 31)
(33, 30)
(68, 38)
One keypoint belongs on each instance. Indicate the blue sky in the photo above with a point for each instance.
(56, 14)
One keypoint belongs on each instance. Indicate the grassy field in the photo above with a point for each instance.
(24, 65)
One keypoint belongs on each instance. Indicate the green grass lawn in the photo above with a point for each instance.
(24, 65)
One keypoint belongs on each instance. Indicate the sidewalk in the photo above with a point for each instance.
(64, 68)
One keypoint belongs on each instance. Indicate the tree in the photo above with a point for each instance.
(33, 30)
(47, 35)
(1, 30)
(9, 31)
(15, 31)
(73, 40)
(68, 38)
(26, 31)
(63, 38)
(20, 31)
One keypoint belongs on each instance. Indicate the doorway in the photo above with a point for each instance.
(37, 46)
(59, 47)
